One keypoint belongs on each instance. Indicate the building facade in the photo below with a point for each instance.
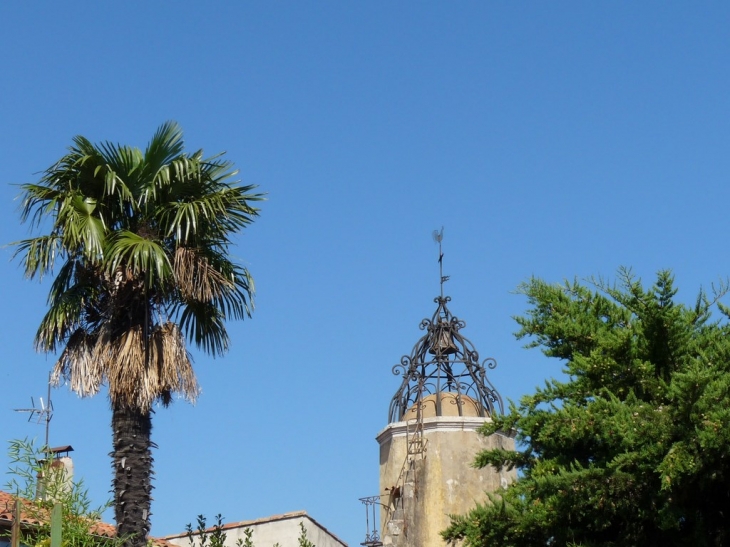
(432, 438)
(282, 530)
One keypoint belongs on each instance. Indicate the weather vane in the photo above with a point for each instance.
(438, 236)
(44, 413)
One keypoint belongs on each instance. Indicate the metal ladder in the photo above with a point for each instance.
(415, 449)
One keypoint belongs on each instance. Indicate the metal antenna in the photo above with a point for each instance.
(42, 414)
(438, 236)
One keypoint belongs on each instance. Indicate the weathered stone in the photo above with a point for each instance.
(437, 482)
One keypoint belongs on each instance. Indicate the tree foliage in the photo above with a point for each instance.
(216, 536)
(142, 239)
(37, 485)
(141, 242)
(633, 447)
(202, 537)
(303, 540)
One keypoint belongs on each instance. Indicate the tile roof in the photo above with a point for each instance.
(27, 518)
(7, 508)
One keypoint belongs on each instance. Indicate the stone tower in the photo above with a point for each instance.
(431, 440)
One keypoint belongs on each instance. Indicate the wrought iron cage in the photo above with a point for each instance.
(444, 361)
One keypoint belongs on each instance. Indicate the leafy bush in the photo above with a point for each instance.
(39, 485)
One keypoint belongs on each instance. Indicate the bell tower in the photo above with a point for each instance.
(432, 437)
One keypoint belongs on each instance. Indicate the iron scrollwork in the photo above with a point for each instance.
(444, 361)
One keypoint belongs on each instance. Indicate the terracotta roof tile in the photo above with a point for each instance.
(7, 510)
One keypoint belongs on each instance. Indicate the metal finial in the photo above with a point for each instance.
(438, 236)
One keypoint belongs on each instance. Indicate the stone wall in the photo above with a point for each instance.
(419, 491)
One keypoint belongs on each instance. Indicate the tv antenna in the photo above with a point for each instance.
(438, 236)
(43, 413)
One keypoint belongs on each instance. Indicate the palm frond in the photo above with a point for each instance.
(39, 254)
(234, 206)
(207, 215)
(124, 363)
(65, 315)
(39, 202)
(238, 302)
(79, 364)
(126, 161)
(203, 324)
(140, 255)
(114, 185)
(65, 279)
(170, 362)
(166, 144)
(142, 370)
(83, 232)
(196, 279)
(164, 162)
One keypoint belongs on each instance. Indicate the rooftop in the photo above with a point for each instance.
(29, 519)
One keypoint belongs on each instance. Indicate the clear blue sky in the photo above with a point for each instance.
(556, 140)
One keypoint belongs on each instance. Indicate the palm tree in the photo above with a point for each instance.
(142, 241)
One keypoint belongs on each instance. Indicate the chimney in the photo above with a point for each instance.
(60, 473)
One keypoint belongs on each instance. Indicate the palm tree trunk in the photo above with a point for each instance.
(132, 461)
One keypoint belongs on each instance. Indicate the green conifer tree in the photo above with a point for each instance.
(632, 448)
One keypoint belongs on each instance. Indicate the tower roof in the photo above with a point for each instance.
(443, 361)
